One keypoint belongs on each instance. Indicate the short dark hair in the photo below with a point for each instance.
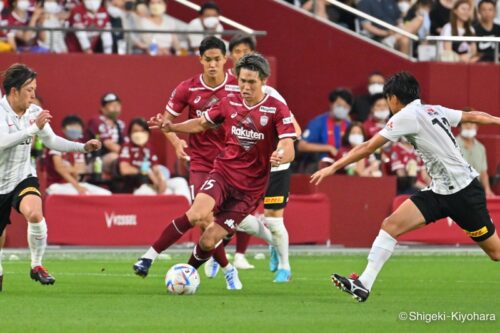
(209, 5)
(493, 2)
(345, 139)
(404, 86)
(375, 98)
(242, 39)
(254, 62)
(212, 42)
(16, 76)
(138, 121)
(343, 93)
(71, 120)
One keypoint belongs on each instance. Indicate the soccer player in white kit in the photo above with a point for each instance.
(454, 191)
(20, 120)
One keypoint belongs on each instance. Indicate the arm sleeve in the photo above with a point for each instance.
(52, 141)
(125, 154)
(454, 116)
(401, 124)
(215, 115)
(312, 134)
(178, 100)
(284, 123)
(9, 140)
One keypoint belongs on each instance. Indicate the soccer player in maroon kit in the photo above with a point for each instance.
(259, 134)
(198, 93)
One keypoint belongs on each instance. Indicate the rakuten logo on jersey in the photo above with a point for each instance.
(243, 133)
(120, 220)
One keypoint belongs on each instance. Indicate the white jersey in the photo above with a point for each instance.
(16, 136)
(428, 128)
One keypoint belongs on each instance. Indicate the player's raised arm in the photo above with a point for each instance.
(178, 143)
(196, 125)
(481, 118)
(357, 153)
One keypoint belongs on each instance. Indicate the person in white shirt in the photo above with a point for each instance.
(208, 21)
(20, 120)
(167, 43)
(454, 192)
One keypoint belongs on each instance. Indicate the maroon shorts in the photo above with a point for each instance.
(231, 205)
(196, 179)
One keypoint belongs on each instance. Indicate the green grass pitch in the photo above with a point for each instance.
(100, 294)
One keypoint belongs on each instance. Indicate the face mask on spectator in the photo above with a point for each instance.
(112, 114)
(339, 112)
(468, 133)
(356, 139)
(404, 6)
(139, 138)
(92, 5)
(51, 7)
(1, 6)
(73, 133)
(211, 22)
(381, 114)
(114, 11)
(376, 88)
(129, 5)
(157, 9)
(23, 5)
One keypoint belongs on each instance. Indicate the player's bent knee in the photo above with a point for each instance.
(390, 226)
(33, 216)
(195, 217)
(494, 255)
(207, 243)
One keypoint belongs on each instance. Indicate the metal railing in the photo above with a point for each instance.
(413, 37)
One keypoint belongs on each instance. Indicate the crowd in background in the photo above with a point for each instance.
(422, 18)
(94, 15)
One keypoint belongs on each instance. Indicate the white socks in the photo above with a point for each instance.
(280, 240)
(37, 240)
(252, 226)
(151, 254)
(381, 251)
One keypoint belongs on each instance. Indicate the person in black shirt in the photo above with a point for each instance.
(440, 15)
(487, 28)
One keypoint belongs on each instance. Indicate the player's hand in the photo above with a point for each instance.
(92, 145)
(277, 157)
(319, 175)
(43, 118)
(179, 150)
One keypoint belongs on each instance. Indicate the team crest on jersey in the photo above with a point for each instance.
(431, 112)
(264, 120)
(232, 87)
(267, 109)
(197, 99)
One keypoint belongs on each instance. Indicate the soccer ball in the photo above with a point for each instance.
(182, 279)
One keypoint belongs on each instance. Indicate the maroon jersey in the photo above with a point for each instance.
(135, 155)
(98, 126)
(80, 17)
(251, 135)
(68, 158)
(403, 157)
(371, 127)
(194, 93)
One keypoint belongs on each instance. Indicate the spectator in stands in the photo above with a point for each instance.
(379, 115)
(138, 159)
(131, 20)
(440, 15)
(7, 38)
(324, 133)
(22, 16)
(107, 128)
(367, 167)
(51, 19)
(404, 6)
(417, 20)
(460, 25)
(64, 170)
(408, 167)
(90, 15)
(387, 11)
(116, 13)
(166, 43)
(362, 104)
(208, 20)
(487, 28)
(474, 152)
(328, 11)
